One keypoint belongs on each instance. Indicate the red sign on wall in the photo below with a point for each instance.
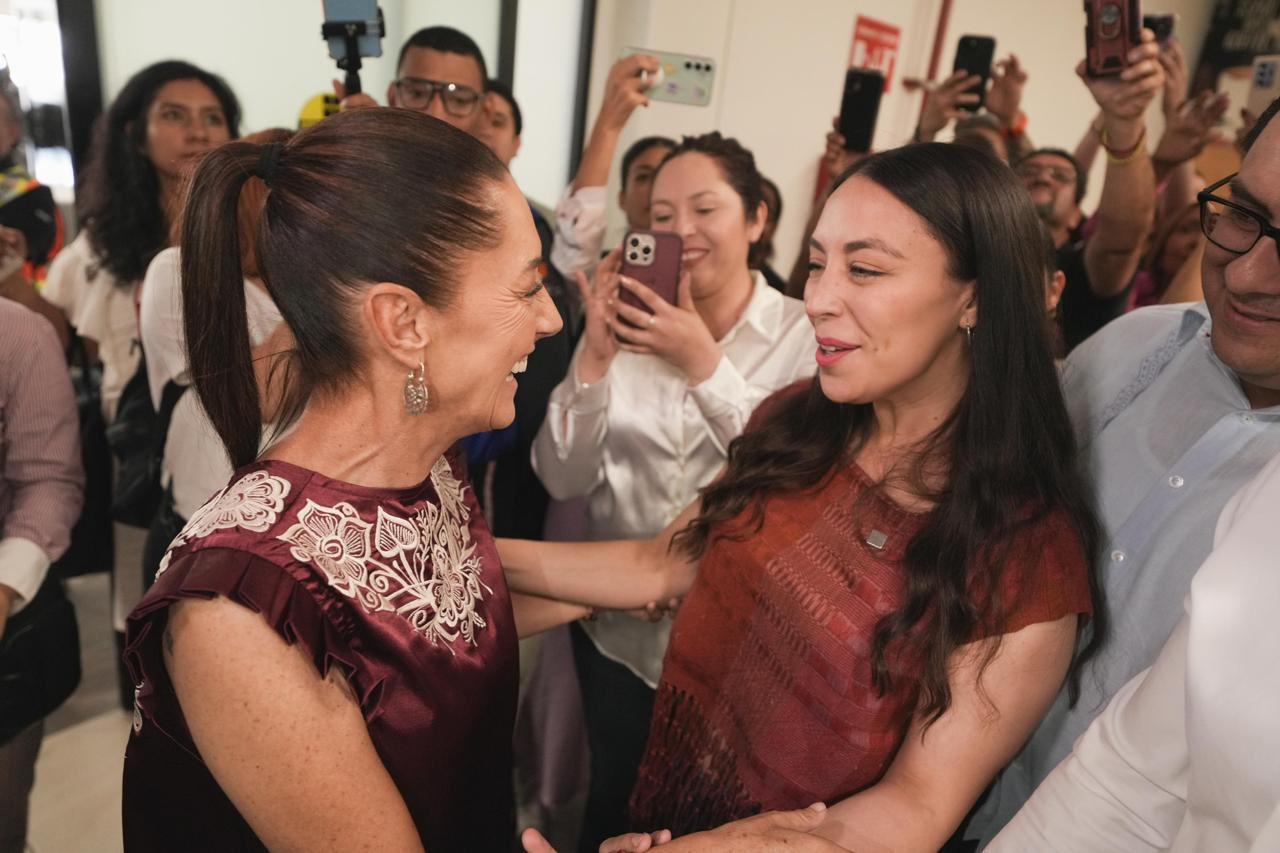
(875, 45)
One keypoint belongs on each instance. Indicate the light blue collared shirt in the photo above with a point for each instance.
(1167, 437)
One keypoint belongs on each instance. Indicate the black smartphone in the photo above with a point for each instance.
(1161, 25)
(859, 107)
(974, 55)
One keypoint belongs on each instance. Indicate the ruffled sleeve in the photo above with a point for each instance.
(296, 608)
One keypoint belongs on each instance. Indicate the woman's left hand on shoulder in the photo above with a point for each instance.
(674, 333)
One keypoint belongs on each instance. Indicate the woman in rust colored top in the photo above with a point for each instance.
(892, 567)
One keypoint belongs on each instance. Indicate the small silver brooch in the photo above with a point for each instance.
(877, 539)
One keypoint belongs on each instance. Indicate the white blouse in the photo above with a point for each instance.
(101, 309)
(641, 442)
(195, 461)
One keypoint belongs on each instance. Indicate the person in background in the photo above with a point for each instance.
(580, 213)
(1175, 408)
(762, 250)
(646, 416)
(28, 207)
(501, 123)
(41, 489)
(1100, 264)
(194, 464)
(1183, 759)
(164, 118)
(440, 72)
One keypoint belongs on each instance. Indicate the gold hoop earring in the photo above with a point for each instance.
(415, 391)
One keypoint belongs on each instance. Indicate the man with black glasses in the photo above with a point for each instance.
(1175, 407)
(440, 72)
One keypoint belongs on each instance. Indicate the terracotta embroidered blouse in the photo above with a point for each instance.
(401, 589)
(766, 699)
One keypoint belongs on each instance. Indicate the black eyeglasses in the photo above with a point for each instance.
(1232, 226)
(417, 94)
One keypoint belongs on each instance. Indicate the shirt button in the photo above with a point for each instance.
(1176, 481)
(1247, 418)
(1117, 556)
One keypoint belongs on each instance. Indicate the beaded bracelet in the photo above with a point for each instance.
(1120, 156)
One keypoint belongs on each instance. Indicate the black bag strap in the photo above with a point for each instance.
(169, 398)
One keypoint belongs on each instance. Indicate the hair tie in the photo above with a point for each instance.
(268, 159)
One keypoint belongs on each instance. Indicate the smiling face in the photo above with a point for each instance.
(185, 120)
(1243, 291)
(886, 312)
(692, 198)
(480, 344)
(1051, 182)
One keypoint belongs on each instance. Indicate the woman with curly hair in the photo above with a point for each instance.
(165, 117)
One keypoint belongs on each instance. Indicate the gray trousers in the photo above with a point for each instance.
(17, 775)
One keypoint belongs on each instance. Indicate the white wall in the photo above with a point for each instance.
(269, 52)
(546, 84)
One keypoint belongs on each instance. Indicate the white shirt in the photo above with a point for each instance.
(640, 442)
(195, 461)
(101, 309)
(1187, 756)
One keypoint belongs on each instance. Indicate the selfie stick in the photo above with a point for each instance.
(350, 32)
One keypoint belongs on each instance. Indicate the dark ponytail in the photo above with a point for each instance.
(366, 196)
(215, 320)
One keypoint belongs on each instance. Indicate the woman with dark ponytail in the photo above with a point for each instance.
(892, 567)
(327, 659)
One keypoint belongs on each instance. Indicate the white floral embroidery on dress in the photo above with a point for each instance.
(253, 502)
(424, 568)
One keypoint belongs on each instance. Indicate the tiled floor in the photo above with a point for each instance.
(75, 807)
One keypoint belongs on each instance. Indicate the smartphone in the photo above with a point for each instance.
(1161, 25)
(860, 107)
(1264, 85)
(1112, 29)
(653, 259)
(340, 12)
(681, 79)
(974, 55)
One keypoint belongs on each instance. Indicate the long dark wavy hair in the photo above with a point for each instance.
(120, 200)
(364, 196)
(1007, 450)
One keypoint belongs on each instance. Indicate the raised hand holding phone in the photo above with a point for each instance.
(599, 297)
(675, 333)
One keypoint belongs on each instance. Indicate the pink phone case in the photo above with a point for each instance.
(653, 259)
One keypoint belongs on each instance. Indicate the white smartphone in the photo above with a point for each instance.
(682, 78)
(1264, 86)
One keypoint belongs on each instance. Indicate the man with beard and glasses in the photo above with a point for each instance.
(1100, 255)
(1176, 408)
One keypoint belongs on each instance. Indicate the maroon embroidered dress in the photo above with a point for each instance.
(766, 699)
(401, 588)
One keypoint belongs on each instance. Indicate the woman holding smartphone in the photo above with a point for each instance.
(891, 569)
(645, 417)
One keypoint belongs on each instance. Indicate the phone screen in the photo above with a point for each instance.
(974, 55)
(344, 11)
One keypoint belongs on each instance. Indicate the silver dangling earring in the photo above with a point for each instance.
(415, 391)
(968, 331)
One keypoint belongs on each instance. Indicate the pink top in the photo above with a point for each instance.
(402, 589)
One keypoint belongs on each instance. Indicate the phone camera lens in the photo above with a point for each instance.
(648, 250)
(631, 256)
(635, 241)
(688, 65)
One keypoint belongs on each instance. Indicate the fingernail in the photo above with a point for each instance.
(818, 807)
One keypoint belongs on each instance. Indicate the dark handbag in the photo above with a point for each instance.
(137, 439)
(92, 547)
(39, 659)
